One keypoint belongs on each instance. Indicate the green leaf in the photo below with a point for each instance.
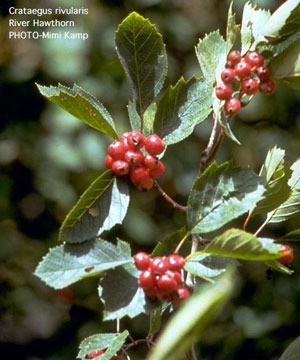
(185, 327)
(121, 295)
(103, 205)
(82, 105)
(284, 22)
(253, 22)
(212, 53)
(181, 108)
(292, 234)
(291, 206)
(168, 244)
(277, 266)
(292, 351)
(240, 244)
(155, 320)
(197, 265)
(111, 342)
(232, 30)
(221, 194)
(275, 176)
(66, 264)
(286, 66)
(143, 56)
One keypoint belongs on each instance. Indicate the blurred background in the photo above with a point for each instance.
(48, 158)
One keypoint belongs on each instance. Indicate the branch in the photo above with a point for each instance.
(169, 199)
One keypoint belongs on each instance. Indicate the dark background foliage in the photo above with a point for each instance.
(47, 158)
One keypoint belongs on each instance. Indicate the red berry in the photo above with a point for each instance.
(108, 161)
(176, 275)
(234, 57)
(183, 293)
(228, 75)
(166, 285)
(136, 139)
(159, 265)
(158, 170)
(116, 150)
(154, 145)
(250, 86)
(254, 59)
(288, 255)
(242, 69)
(120, 167)
(263, 72)
(150, 161)
(232, 106)
(175, 262)
(139, 174)
(145, 184)
(223, 91)
(134, 157)
(94, 354)
(267, 88)
(151, 293)
(116, 357)
(142, 260)
(147, 279)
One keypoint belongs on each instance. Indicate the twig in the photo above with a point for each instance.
(194, 247)
(169, 199)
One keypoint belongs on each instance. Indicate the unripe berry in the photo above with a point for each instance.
(158, 170)
(159, 265)
(267, 88)
(108, 161)
(234, 57)
(150, 161)
(120, 167)
(147, 280)
(134, 157)
(175, 262)
(116, 150)
(288, 255)
(223, 91)
(242, 69)
(154, 145)
(254, 59)
(142, 260)
(232, 106)
(249, 86)
(136, 139)
(264, 73)
(228, 75)
(166, 285)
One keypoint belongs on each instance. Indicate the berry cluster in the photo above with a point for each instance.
(99, 352)
(287, 255)
(161, 277)
(125, 157)
(243, 76)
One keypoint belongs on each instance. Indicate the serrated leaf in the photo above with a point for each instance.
(168, 244)
(277, 266)
(291, 206)
(185, 327)
(211, 53)
(253, 22)
(242, 245)
(232, 29)
(103, 205)
(196, 265)
(66, 264)
(286, 66)
(292, 351)
(276, 177)
(121, 295)
(181, 108)
(111, 342)
(284, 22)
(221, 194)
(82, 105)
(142, 53)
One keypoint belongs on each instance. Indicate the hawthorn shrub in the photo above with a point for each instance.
(181, 278)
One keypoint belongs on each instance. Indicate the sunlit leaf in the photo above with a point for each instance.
(82, 105)
(181, 108)
(277, 266)
(197, 266)
(292, 351)
(66, 264)
(185, 327)
(103, 205)
(221, 194)
(232, 30)
(143, 56)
